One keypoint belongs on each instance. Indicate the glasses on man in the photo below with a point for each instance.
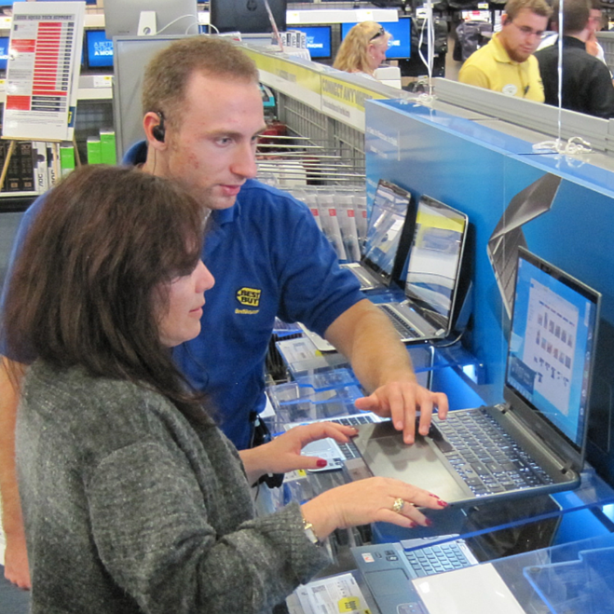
(379, 33)
(528, 31)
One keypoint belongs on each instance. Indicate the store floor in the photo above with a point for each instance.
(452, 67)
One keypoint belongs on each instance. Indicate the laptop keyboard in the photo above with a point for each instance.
(349, 450)
(486, 457)
(430, 560)
(362, 277)
(401, 326)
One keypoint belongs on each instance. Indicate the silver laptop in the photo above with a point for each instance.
(336, 454)
(432, 277)
(534, 442)
(388, 569)
(388, 238)
(433, 274)
(535, 200)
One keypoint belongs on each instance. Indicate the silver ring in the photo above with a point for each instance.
(398, 504)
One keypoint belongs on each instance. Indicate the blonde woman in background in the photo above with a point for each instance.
(363, 49)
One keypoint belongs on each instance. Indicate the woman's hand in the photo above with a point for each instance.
(370, 500)
(284, 452)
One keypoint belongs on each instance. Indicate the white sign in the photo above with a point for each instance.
(43, 70)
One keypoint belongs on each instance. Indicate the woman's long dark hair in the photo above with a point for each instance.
(86, 287)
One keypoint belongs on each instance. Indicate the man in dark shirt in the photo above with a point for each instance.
(587, 84)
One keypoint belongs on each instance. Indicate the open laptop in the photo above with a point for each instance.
(336, 454)
(388, 569)
(432, 278)
(433, 274)
(535, 200)
(534, 442)
(388, 238)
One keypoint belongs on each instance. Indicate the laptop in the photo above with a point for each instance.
(534, 442)
(388, 569)
(388, 238)
(535, 200)
(335, 453)
(432, 275)
(432, 278)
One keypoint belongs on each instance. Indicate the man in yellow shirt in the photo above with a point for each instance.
(506, 64)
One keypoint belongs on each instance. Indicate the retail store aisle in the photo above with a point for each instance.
(9, 221)
(452, 66)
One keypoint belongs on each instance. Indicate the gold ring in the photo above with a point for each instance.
(398, 504)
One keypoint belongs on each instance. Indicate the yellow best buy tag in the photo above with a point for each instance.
(349, 604)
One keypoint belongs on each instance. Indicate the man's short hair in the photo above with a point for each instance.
(167, 74)
(596, 5)
(539, 7)
(575, 14)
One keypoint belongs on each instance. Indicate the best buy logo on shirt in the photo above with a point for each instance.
(250, 297)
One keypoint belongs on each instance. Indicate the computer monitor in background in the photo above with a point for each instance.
(247, 16)
(4, 51)
(122, 17)
(318, 41)
(399, 47)
(131, 54)
(98, 50)
(86, 1)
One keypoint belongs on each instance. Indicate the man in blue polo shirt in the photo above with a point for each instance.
(203, 116)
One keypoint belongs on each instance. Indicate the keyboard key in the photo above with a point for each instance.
(486, 457)
(436, 559)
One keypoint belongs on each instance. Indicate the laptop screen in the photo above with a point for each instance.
(390, 206)
(551, 344)
(435, 259)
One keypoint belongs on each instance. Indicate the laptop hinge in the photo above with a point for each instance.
(566, 468)
(465, 311)
(503, 407)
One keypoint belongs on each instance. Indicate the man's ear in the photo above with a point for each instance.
(151, 124)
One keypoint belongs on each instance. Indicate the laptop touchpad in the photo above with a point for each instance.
(384, 452)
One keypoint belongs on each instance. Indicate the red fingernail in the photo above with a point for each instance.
(442, 503)
(321, 462)
(428, 522)
(432, 495)
(412, 525)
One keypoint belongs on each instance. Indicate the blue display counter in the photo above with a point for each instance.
(561, 208)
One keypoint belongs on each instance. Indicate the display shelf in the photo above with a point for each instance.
(16, 201)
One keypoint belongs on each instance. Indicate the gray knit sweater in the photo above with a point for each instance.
(128, 508)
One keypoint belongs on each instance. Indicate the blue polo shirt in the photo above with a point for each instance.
(269, 259)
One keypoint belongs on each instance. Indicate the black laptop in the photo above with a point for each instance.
(534, 442)
(432, 275)
(388, 238)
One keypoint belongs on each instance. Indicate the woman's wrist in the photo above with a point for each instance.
(318, 519)
(310, 532)
(254, 462)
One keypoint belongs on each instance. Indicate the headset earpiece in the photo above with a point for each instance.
(159, 130)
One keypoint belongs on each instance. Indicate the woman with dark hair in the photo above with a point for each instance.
(134, 501)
